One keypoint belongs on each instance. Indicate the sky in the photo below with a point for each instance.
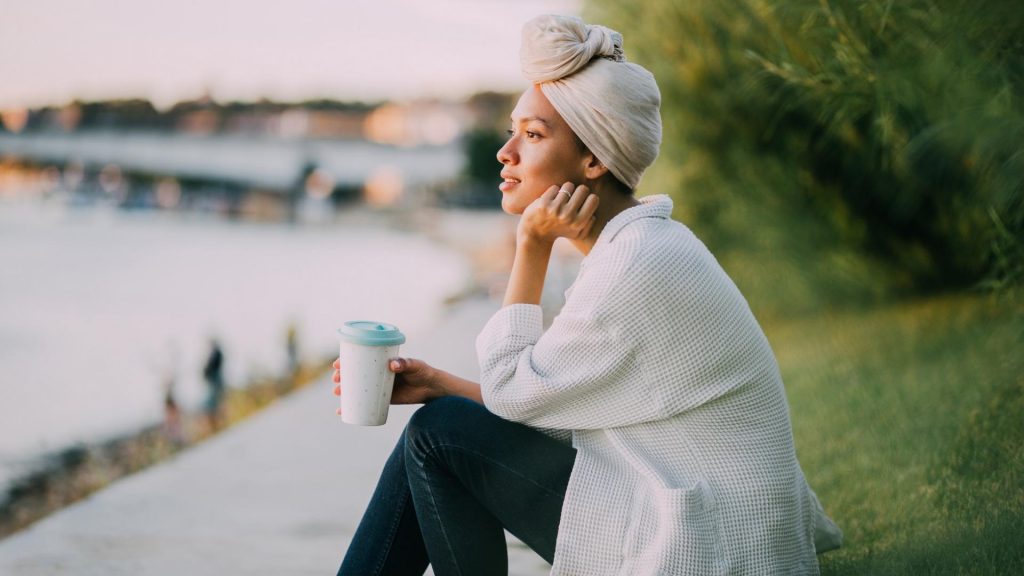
(53, 51)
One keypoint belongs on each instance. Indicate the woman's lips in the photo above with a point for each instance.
(508, 184)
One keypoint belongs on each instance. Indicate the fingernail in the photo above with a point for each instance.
(396, 365)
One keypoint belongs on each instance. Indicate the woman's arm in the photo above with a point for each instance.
(579, 374)
(529, 269)
(453, 385)
(566, 211)
(549, 217)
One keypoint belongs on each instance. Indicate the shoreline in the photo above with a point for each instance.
(62, 477)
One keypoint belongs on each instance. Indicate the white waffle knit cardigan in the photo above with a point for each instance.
(656, 365)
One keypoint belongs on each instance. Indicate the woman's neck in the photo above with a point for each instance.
(612, 203)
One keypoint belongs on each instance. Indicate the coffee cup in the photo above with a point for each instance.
(366, 348)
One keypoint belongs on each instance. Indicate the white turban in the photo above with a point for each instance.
(612, 105)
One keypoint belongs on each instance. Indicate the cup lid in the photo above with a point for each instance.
(370, 333)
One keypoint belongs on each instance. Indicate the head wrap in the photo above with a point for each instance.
(612, 105)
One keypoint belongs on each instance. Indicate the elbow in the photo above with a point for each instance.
(495, 401)
(509, 411)
(510, 392)
(498, 408)
(499, 402)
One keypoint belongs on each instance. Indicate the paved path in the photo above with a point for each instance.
(280, 493)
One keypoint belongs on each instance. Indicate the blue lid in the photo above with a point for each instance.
(371, 333)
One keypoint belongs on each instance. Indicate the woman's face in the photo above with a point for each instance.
(541, 152)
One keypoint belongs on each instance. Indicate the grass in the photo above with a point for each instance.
(909, 424)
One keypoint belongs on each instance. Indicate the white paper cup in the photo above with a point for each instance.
(366, 382)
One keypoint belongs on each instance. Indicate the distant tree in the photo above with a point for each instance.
(481, 147)
(491, 110)
(488, 117)
(121, 114)
(337, 105)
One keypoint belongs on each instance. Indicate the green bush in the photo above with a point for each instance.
(874, 145)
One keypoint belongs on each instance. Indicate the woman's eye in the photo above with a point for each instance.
(531, 135)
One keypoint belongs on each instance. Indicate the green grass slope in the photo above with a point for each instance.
(909, 423)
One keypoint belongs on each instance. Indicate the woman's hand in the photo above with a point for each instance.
(561, 211)
(416, 381)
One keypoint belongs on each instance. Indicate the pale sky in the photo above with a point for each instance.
(52, 51)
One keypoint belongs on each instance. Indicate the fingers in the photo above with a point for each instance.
(397, 365)
(579, 208)
(557, 196)
(550, 193)
(337, 380)
(573, 198)
(589, 206)
(565, 193)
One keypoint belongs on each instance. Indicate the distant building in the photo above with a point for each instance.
(428, 122)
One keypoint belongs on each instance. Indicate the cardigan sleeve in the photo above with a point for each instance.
(579, 374)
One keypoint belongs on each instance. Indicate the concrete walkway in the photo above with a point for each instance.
(280, 493)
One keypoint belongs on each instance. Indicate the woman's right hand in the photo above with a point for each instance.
(565, 211)
(416, 381)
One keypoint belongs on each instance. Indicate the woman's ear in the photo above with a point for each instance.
(594, 168)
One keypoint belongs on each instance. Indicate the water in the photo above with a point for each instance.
(94, 302)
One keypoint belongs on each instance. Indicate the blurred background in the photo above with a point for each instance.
(173, 175)
(194, 197)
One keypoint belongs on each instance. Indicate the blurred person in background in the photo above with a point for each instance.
(292, 350)
(167, 367)
(213, 374)
(647, 430)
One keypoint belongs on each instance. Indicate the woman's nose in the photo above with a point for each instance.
(506, 154)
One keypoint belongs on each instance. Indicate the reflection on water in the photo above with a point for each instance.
(98, 306)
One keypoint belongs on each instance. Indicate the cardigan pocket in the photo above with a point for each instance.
(673, 530)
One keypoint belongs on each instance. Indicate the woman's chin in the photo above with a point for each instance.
(508, 205)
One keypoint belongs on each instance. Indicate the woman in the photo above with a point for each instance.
(646, 431)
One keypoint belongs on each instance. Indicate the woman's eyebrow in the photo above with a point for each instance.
(532, 119)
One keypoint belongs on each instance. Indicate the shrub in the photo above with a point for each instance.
(812, 126)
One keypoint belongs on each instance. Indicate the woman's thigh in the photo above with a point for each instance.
(515, 472)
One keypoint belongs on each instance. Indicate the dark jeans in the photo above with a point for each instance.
(456, 478)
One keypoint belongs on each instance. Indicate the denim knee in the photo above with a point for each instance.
(435, 422)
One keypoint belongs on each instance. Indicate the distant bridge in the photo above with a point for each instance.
(270, 163)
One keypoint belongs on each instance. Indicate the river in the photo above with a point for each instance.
(98, 305)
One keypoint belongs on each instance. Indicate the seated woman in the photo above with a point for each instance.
(647, 430)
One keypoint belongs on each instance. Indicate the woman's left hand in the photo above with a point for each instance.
(561, 211)
(416, 382)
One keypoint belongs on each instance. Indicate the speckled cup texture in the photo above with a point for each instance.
(366, 383)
